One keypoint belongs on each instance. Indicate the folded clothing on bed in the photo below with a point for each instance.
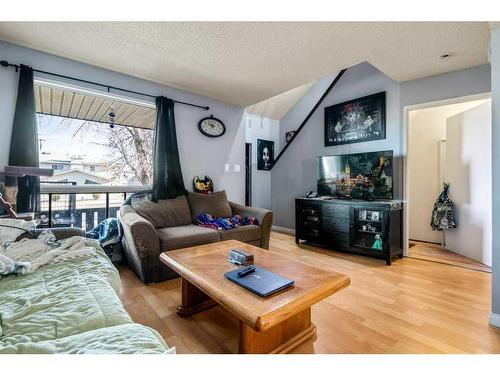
(224, 223)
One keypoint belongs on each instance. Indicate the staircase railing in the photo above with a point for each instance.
(332, 85)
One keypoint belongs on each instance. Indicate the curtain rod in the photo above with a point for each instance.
(109, 87)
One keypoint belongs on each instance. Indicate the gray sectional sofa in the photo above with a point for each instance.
(152, 228)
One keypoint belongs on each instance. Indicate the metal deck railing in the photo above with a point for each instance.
(65, 204)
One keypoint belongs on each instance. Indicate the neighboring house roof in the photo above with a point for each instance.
(78, 161)
(66, 175)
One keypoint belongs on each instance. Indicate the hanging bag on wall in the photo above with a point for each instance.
(443, 216)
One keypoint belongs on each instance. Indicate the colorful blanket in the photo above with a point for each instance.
(108, 232)
(224, 223)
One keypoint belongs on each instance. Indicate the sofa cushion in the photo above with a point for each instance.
(165, 213)
(186, 236)
(215, 204)
(244, 233)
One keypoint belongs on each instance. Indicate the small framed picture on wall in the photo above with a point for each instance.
(265, 154)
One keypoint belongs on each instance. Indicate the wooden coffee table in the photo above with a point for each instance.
(275, 324)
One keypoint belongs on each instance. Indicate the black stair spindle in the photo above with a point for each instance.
(332, 85)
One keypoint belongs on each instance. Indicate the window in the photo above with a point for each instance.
(75, 125)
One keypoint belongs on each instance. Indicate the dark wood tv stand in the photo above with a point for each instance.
(351, 225)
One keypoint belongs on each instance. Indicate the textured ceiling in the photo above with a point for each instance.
(246, 63)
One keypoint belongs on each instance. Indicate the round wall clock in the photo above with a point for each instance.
(211, 127)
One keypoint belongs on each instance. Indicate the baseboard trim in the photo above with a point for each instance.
(283, 230)
(495, 320)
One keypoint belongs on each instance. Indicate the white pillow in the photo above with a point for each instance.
(10, 229)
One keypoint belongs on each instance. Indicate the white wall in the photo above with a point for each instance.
(468, 170)
(258, 127)
(427, 127)
(199, 155)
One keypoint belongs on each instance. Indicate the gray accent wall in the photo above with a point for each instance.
(199, 155)
(296, 171)
(471, 81)
(495, 101)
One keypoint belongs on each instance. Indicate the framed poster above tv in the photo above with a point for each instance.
(357, 120)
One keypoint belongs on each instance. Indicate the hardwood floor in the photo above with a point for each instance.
(436, 253)
(413, 306)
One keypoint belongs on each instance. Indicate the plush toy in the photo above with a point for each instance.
(205, 186)
(377, 245)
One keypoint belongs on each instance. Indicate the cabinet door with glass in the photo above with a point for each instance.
(309, 224)
(369, 230)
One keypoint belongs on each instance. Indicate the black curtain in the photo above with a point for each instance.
(167, 173)
(24, 142)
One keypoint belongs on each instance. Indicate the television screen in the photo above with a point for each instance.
(357, 176)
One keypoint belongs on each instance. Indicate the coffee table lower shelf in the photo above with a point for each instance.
(278, 339)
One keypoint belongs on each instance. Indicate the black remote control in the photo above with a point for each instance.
(246, 271)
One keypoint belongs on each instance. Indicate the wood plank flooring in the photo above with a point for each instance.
(412, 306)
(436, 253)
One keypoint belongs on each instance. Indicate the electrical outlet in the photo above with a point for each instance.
(226, 167)
(237, 168)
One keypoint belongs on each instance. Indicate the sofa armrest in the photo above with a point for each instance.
(141, 244)
(264, 217)
(60, 233)
(65, 232)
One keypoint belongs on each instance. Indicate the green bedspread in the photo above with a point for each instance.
(70, 307)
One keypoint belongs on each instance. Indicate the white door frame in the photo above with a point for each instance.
(406, 178)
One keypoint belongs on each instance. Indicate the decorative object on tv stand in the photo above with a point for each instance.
(211, 127)
(265, 154)
(443, 215)
(358, 120)
(289, 135)
(205, 186)
(377, 245)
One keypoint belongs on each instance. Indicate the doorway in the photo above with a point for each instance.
(248, 174)
(448, 142)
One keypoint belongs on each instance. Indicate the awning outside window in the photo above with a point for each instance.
(77, 104)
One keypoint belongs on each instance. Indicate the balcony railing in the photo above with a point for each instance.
(65, 204)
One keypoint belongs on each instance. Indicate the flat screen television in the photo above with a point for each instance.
(366, 176)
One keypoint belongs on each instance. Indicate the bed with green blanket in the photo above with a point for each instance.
(71, 307)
